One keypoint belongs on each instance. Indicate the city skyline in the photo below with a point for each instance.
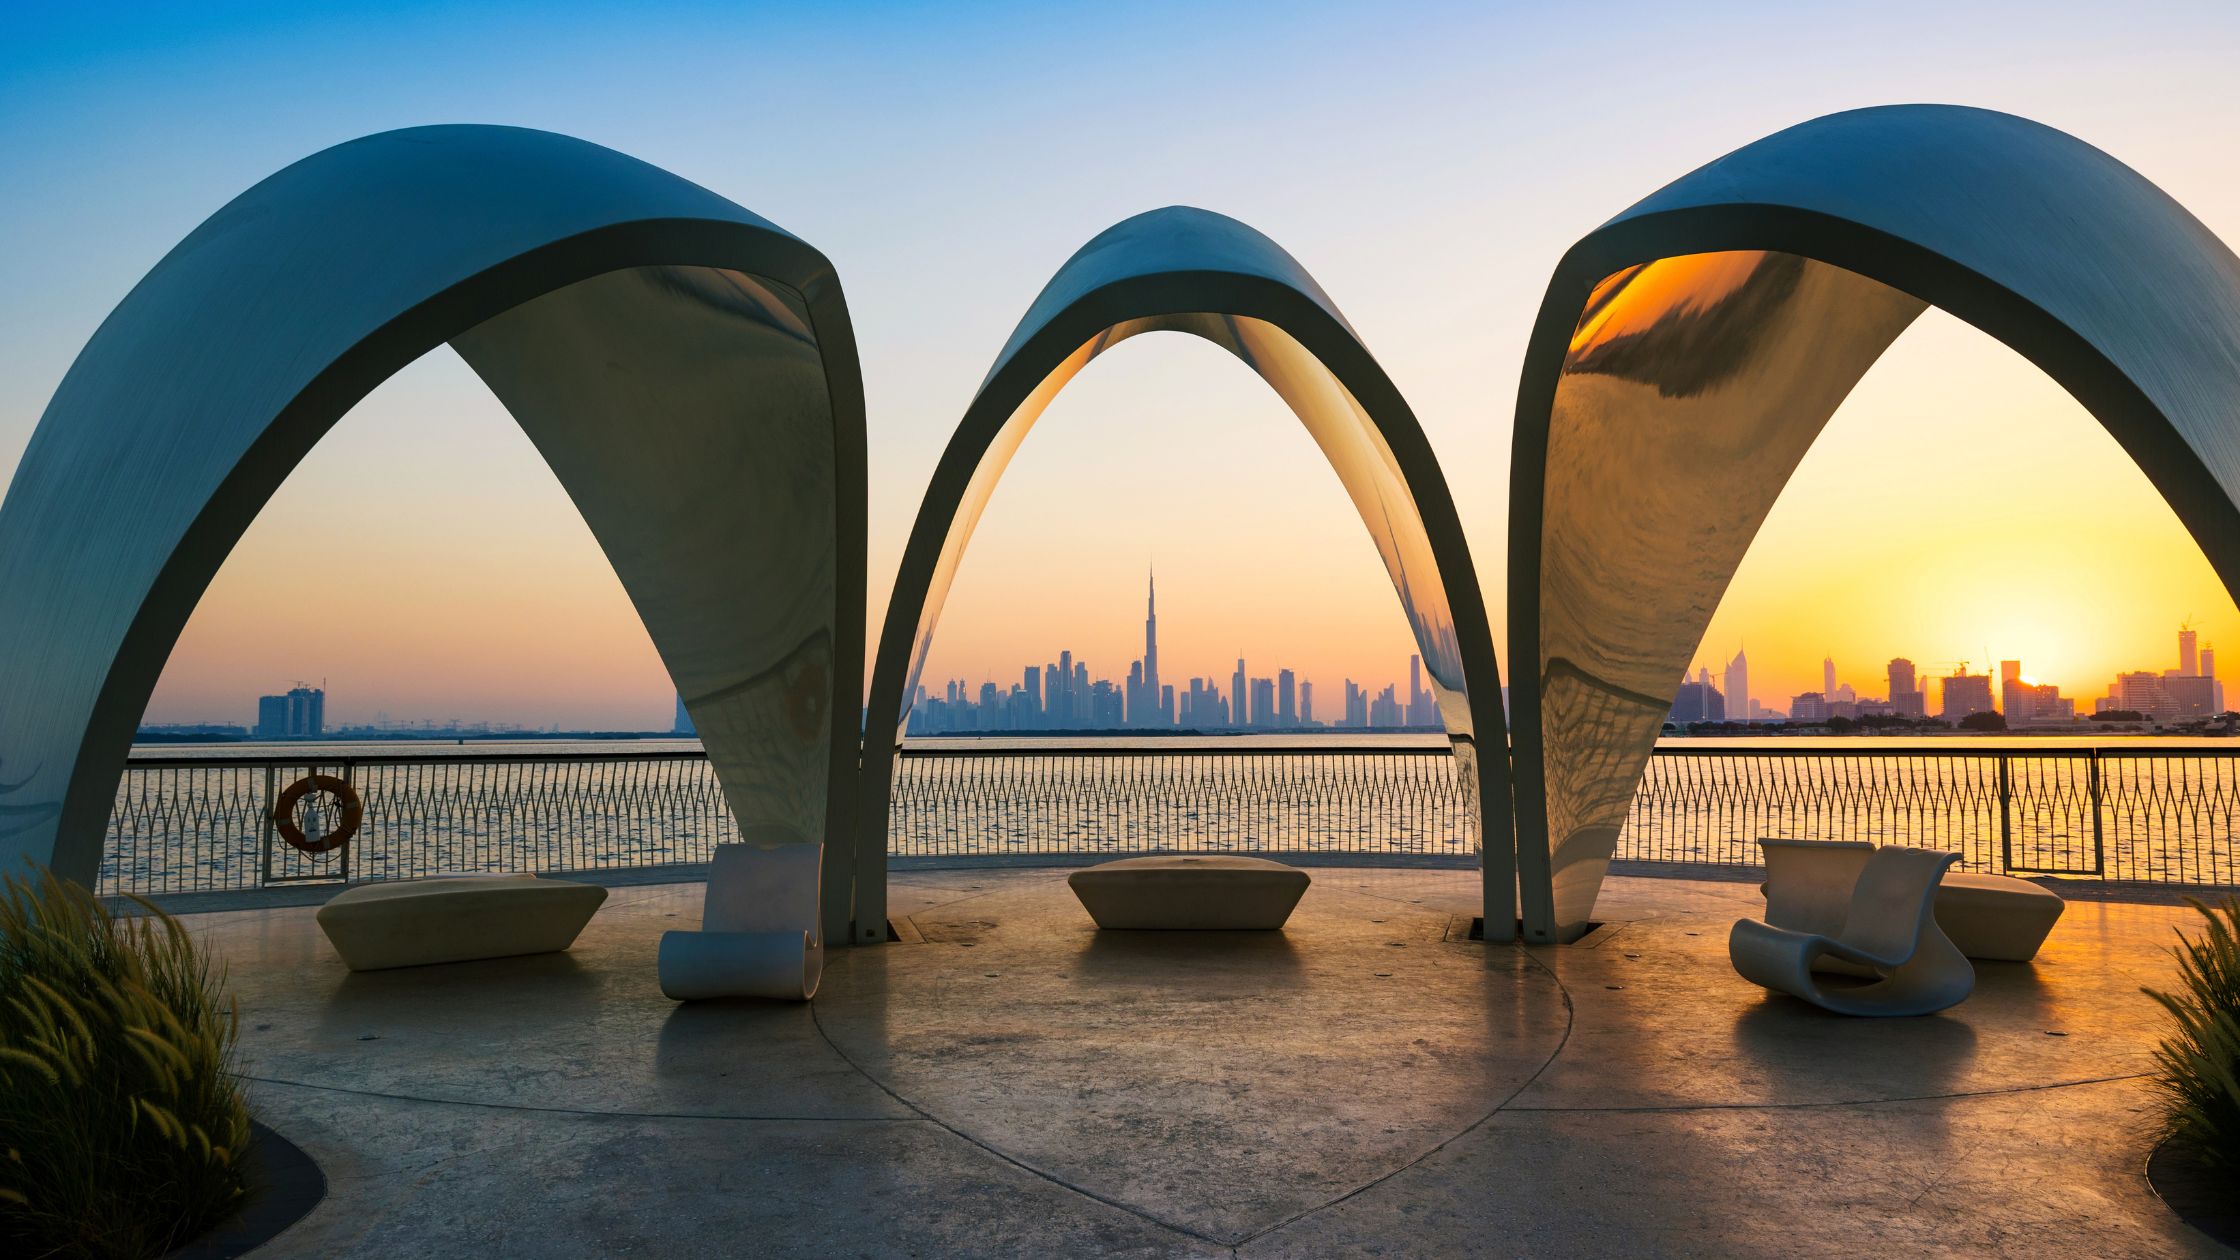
(1062, 695)
(2190, 688)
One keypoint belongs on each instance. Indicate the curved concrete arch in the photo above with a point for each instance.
(1186, 270)
(685, 367)
(1689, 351)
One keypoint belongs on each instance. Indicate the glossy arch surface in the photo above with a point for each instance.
(1190, 271)
(685, 367)
(1690, 350)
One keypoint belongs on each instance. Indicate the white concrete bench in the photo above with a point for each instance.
(1186, 893)
(1997, 917)
(414, 922)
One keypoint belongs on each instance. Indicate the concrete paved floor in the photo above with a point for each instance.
(1014, 1083)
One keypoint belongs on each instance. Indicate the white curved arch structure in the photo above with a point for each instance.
(1187, 270)
(1690, 350)
(685, 367)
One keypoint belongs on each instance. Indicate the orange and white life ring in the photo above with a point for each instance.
(284, 813)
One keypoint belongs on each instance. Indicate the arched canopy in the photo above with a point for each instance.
(686, 368)
(1690, 350)
(1187, 270)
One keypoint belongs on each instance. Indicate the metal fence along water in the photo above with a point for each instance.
(200, 822)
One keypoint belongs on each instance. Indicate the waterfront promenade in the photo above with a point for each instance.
(1006, 1081)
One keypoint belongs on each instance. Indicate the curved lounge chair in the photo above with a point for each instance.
(1989, 917)
(759, 932)
(1891, 928)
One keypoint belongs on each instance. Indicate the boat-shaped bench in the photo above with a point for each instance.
(414, 922)
(1190, 893)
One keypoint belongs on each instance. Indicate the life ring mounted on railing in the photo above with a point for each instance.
(284, 813)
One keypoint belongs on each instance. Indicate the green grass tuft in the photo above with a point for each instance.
(2198, 1064)
(122, 1131)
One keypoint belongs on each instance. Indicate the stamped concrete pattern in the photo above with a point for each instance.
(1008, 1081)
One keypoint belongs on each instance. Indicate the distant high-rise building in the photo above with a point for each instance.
(300, 713)
(1238, 712)
(1306, 704)
(1032, 686)
(2209, 671)
(1147, 702)
(1151, 632)
(2188, 664)
(1809, 708)
(1698, 701)
(1357, 705)
(1966, 693)
(1106, 705)
(1906, 699)
(1739, 705)
(1263, 703)
(1827, 676)
(2143, 692)
(1422, 709)
(1385, 710)
(684, 720)
(1287, 698)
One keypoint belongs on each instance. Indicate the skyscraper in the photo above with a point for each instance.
(1287, 698)
(1239, 715)
(1306, 704)
(1422, 709)
(1147, 700)
(1906, 699)
(1827, 676)
(1966, 693)
(1151, 635)
(2188, 664)
(1739, 706)
(301, 713)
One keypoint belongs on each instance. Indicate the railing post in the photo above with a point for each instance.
(349, 776)
(265, 827)
(2092, 777)
(2006, 811)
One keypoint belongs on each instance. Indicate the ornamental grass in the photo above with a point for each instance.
(122, 1131)
(2198, 1064)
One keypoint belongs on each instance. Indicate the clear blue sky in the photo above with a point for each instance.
(1428, 162)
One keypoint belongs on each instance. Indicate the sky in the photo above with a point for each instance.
(1427, 163)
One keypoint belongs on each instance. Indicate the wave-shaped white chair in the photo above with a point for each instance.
(760, 934)
(1890, 928)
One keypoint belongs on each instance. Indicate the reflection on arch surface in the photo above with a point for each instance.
(686, 368)
(1191, 271)
(1690, 350)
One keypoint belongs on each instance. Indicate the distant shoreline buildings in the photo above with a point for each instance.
(1059, 696)
(2188, 692)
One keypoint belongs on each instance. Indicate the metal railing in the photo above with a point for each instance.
(204, 823)
(2150, 815)
(200, 824)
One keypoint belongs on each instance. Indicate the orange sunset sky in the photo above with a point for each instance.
(425, 565)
